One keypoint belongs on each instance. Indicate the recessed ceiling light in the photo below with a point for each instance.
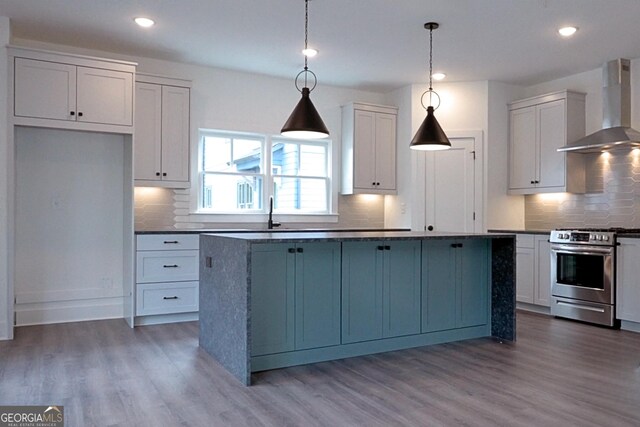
(310, 52)
(144, 22)
(567, 31)
(438, 76)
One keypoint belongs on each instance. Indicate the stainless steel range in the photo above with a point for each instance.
(583, 274)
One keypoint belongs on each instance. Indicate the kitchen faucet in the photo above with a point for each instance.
(270, 223)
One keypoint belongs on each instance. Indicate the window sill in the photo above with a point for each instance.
(260, 218)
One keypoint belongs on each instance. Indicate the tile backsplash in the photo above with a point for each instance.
(157, 208)
(612, 198)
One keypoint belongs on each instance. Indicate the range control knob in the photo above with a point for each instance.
(606, 238)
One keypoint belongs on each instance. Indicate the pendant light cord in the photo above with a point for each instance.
(430, 58)
(306, 37)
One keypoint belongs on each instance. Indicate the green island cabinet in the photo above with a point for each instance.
(380, 289)
(455, 288)
(295, 296)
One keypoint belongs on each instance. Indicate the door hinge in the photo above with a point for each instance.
(474, 154)
(425, 228)
(474, 216)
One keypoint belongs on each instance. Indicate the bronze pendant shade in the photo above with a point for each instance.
(430, 135)
(305, 121)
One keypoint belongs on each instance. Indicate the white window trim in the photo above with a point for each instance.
(196, 215)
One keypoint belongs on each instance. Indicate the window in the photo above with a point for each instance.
(239, 174)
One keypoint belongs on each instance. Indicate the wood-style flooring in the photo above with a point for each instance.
(558, 373)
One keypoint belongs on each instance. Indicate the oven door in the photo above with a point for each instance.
(583, 272)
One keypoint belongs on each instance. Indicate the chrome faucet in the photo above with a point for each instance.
(270, 223)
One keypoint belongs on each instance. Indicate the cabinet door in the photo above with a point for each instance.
(543, 272)
(317, 295)
(361, 291)
(45, 90)
(146, 146)
(385, 151)
(272, 299)
(523, 153)
(364, 149)
(628, 285)
(524, 274)
(473, 282)
(401, 288)
(438, 285)
(552, 135)
(105, 96)
(175, 133)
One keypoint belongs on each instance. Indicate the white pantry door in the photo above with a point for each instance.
(451, 185)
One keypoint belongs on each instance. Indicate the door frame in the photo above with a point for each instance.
(419, 175)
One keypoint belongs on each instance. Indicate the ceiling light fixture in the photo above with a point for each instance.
(305, 121)
(567, 31)
(430, 135)
(310, 52)
(144, 22)
(439, 76)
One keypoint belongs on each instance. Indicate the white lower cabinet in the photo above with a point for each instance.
(533, 269)
(167, 274)
(628, 286)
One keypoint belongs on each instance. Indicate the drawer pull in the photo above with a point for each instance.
(173, 297)
(171, 266)
(171, 242)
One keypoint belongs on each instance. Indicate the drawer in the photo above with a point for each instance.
(167, 266)
(167, 242)
(525, 241)
(166, 298)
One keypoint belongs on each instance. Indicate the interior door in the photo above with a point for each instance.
(450, 187)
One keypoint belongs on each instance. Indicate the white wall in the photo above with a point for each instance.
(5, 174)
(69, 204)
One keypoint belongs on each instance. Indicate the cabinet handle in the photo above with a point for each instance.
(456, 245)
(171, 266)
(459, 245)
(173, 297)
(171, 242)
(300, 250)
(537, 182)
(377, 183)
(291, 250)
(157, 173)
(533, 182)
(164, 174)
(72, 113)
(373, 183)
(381, 248)
(79, 113)
(430, 228)
(387, 248)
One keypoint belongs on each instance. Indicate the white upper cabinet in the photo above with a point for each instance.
(538, 127)
(368, 149)
(161, 145)
(72, 92)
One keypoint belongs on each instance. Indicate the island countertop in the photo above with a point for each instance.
(342, 236)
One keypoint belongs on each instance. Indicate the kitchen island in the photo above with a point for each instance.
(272, 300)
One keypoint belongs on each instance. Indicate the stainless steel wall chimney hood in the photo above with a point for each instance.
(616, 107)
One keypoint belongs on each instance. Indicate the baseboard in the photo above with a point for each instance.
(630, 326)
(68, 311)
(166, 318)
(533, 308)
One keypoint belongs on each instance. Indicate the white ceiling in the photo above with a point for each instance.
(368, 44)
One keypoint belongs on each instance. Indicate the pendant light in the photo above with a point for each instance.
(430, 135)
(305, 122)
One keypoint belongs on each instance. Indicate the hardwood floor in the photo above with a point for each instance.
(559, 373)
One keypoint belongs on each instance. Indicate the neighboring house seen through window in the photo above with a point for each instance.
(238, 174)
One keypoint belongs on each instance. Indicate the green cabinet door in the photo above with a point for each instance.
(272, 298)
(473, 280)
(455, 284)
(317, 290)
(438, 285)
(401, 288)
(361, 291)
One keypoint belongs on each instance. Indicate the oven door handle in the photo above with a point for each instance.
(584, 250)
(581, 306)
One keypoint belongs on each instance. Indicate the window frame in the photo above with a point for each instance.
(198, 214)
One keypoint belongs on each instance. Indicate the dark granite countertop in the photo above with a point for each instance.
(169, 230)
(265, 237)
(547, 232)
